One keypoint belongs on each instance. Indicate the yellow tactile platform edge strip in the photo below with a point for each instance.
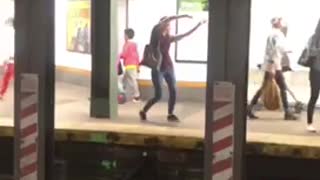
(143, 83)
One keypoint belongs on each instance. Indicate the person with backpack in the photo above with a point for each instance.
(160, 43)
(275, 51)
(130, 57)
(311, 58)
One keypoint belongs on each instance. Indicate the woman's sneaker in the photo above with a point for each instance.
(172, 118)
(311, 129)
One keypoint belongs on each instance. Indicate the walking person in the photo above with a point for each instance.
(160, 43)
(7, 76)
(130, 57)
(9, 62)
(313, 56)
(275, 51)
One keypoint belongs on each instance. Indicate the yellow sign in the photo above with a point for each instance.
(78, 26)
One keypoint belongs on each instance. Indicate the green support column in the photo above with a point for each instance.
(104, 86)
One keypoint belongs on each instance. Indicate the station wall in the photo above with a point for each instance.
(72, 59)
(301, 17)
(6, 32)
(143, 14)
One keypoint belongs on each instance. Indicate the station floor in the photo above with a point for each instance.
(72, 113)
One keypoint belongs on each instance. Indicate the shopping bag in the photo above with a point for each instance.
(271, 95)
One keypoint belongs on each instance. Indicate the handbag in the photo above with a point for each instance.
(149, 60)
(305, 59)
(120, 69)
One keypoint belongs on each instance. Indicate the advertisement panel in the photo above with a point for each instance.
(78, 26)
(193, 48)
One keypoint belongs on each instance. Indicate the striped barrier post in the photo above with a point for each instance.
(222, 131)
(28, 128)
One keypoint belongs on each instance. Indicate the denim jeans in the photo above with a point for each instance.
(157, 78)
(314, 77)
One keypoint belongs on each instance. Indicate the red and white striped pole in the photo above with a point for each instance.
(223, 131)
(28, 127)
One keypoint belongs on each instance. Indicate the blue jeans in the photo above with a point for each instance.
(157, 78)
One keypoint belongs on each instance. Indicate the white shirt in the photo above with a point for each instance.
(275, 50)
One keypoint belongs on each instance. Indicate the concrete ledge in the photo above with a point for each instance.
(276, 148)
(281, 145)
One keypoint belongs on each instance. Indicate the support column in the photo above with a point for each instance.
(228, 50)
(104, 86)
(34, 89)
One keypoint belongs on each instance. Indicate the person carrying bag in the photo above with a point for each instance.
(310, 58)
(274, 54)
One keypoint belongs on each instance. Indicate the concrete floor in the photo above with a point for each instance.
(72, 112)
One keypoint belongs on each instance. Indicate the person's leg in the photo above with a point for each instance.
(120, 83)
(156, 80)
(170, 78)
(132, 83)
(256, 97)
(283, 92)
(12, 71)
(125, 82)
(315, 89)
(8, 75)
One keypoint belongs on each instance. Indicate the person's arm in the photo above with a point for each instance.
(172, 18)
(123, 54)
(181, 36)
(138, 57)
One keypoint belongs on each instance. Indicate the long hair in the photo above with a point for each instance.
(316, 35)
(317, 30)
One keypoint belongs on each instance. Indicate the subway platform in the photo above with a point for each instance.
(270, 135)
